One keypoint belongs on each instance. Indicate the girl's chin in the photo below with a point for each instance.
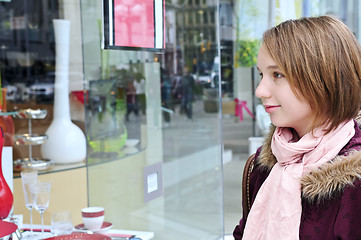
(278, 123)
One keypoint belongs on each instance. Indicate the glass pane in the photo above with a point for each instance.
(28, 75)
(242, 23)
(30, 86)
(170, 182)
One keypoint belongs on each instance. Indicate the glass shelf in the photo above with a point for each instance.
(26, 113)
(56, 168)
(30, 139)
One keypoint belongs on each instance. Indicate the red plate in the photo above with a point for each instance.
(7, 228)
(105, 226)
(81, 236)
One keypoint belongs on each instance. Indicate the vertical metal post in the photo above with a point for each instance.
(271, 13)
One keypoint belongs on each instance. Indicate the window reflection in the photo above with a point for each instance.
(27, 49)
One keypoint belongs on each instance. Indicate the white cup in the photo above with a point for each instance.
(93, 217)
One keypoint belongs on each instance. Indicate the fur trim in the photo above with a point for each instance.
(331, 179)
(325, 182)
(266, 158)
(358, 118)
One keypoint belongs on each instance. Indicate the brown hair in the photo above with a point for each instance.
(321, 58)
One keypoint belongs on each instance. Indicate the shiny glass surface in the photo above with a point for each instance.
(176, 120)
(41, 191)
(29, 180)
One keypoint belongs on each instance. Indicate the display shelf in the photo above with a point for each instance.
(56, 168)
(29, 139)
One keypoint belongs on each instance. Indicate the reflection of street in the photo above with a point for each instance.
(185, 137)
(192, 163)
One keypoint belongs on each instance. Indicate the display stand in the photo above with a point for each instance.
(29, 139)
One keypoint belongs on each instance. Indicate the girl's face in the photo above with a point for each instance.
(279, 101)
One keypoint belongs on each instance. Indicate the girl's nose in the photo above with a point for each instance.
(262, 90)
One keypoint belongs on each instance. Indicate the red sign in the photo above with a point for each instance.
(134, 24)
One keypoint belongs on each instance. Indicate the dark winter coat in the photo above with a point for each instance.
(331, 194)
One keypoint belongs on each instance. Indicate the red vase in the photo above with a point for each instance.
(6, 196)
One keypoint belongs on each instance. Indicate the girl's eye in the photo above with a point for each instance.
(278, 75)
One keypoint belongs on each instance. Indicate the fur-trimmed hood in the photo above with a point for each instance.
(325, 182)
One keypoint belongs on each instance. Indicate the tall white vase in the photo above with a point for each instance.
(66, 142)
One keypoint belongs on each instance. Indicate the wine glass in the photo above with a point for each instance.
(29, 180)
(42, 197)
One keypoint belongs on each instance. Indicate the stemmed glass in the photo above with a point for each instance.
(42, 197)
(29, 180)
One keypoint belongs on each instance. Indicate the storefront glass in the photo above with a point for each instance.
(170, 182)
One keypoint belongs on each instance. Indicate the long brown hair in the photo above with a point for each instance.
(321, 58)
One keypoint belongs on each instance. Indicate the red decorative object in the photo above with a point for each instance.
(7, 228)
(79, 95)
(106, 225)
(240, 105)
(6, 196)
(6, 121)
(82, 236)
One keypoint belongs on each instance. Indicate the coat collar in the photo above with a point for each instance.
(322, 183)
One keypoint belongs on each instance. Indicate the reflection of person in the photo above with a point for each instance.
(140, 94)
(131, 100)
(306, 181)
(166, 94)
(187, 86)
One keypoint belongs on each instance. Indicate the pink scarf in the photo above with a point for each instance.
(276, 211)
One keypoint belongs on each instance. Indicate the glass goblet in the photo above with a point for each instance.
(42, 198)
(29, 180)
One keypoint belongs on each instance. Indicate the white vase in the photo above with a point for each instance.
(66, 142)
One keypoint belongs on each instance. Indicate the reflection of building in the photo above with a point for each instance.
(192, 23)
(191, 37)
(27, 46)
(226, 34)
(172, 55)
(199, 21)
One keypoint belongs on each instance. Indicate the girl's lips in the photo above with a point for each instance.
(270, 108)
